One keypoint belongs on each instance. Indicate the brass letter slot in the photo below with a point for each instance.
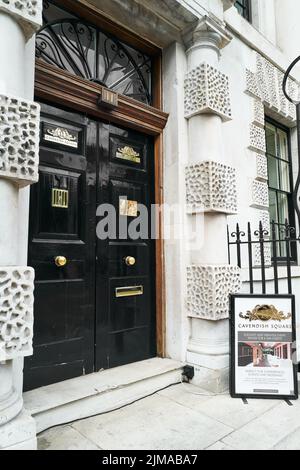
(129, 291)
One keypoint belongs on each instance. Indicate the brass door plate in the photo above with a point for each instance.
(129, 154)
(61, 136)
(130, 291)
(128, 208)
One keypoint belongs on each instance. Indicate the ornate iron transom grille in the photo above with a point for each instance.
(80, 48)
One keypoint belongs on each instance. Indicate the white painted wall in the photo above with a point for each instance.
(287, 27)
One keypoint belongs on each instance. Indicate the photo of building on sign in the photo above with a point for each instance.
(252, 354)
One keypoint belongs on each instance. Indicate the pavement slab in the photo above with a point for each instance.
(268, 430)
(232, 412)
(290, 442)
(155, 423)
(64, 438)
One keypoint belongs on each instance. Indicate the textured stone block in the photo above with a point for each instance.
(283, 102)
(258, 113)
(16, 312)
(252, 86)
(27, 12)
(211, 187)
(257, 139)
(260, 194)
(209, 288)
(261, 167)
(19, 140)
(265, 84)
(268, 79)
(264, 218)
(207, 91)
(294, 93)
(267, 255)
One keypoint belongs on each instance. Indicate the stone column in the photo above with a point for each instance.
(211, 197)
(19, 145)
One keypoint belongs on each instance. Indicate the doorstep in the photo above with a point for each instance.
(100, 392)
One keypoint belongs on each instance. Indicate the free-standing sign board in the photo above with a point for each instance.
(263, 346)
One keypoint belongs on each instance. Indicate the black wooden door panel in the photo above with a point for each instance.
(130, 325)
(125, 324)
(95, 311)
(61, 224)
(119, 252)
(52, 222)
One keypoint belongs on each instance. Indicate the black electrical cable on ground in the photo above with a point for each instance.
(109, 411)
(132, 403)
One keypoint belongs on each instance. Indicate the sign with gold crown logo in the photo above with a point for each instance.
(263, 347)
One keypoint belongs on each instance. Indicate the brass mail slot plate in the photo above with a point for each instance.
(129, 291)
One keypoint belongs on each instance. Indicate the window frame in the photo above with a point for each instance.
(247, 10)
(291, 209)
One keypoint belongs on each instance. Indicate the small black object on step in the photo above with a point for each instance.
(188, 373)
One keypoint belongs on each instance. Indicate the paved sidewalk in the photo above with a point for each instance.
(178, 419)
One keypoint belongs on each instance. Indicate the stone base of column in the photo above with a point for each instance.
(19, 434)
(213, 380)
(208, 352)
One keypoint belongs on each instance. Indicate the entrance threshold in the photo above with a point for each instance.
(100, 392)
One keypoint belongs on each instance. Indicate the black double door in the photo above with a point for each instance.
(94, 289)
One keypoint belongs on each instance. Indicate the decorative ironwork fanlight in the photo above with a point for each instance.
(78, 47)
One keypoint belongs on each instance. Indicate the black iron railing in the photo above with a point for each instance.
(296, 102)
(258, 252)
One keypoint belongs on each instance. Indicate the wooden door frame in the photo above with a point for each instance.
(60, 88)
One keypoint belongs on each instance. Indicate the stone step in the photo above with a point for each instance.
(99, 393)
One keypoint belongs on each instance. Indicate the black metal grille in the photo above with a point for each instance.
(258, 251)
(82, 49)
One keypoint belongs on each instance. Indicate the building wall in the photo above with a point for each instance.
(251, 44)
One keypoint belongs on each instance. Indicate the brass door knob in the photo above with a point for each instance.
(130, 261)
(60, 261)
